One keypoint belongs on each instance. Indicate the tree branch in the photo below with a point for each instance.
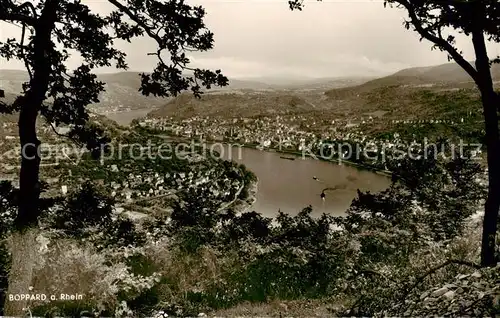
(12, 12)
(439, 41)
(15, 17)
(23, 56)
(30, 6)
(57, 133)
(134, 18)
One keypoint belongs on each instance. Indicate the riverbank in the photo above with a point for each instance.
(288, 185)
(243, 206)
(297, 154)
(240, 206)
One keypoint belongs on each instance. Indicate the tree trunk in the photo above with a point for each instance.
(31, 103)
(29, 189)
(24, 250)
(23, 241)
(489, 100)
(492, 205)
(23, 246)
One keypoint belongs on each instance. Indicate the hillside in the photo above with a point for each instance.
(122, 91)
(122, 88)
(410, 93)
(394, 96)
(293, 84)
(445, 73)
(233, 105)
(444, 76)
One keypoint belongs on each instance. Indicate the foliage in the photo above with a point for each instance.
(463, 107)
(8, 196)
(84, 209)
(427, 192)
(368, 259)
(439, 22)
(471, 294)
(383, 243)
(123, 232)
(371, 259)
(88, 214)
(103, 276)
(174, 26)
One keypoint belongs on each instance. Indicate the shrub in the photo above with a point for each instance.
(8, 208)
(86, 210)
(104, 278)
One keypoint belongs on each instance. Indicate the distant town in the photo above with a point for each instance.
(302, 133)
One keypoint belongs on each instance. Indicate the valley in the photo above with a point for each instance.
(237, 157)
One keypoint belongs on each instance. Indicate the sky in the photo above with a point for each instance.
(263, 38)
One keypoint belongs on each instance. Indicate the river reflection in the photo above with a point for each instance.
(288, 185)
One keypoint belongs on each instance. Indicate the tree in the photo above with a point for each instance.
(51, 30)
(430, 199)
(83, 211)
(480, 21)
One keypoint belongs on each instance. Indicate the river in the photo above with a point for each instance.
(289, 185)
(125, 118)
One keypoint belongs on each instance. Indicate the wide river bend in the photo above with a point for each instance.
(290, 185)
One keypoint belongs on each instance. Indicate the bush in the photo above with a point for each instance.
(104, 278)
(201, 258)
(84, 211)
(8, 207)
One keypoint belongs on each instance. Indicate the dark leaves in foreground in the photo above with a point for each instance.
(85, 208)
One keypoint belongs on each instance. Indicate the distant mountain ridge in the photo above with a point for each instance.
(449, 74)
(395, 95)
(420, 92)
(122, 91)
(233, 105)
(122, 88)
(268, 96)
(278, 83)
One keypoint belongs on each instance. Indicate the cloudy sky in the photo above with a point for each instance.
(263, 38)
